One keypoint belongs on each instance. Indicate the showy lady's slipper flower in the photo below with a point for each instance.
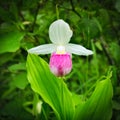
(60, 49)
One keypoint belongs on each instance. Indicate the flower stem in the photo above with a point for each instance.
(57, 11)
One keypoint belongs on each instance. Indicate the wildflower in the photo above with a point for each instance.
(60, 49)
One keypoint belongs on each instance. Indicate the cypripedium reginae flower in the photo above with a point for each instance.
(60, 49)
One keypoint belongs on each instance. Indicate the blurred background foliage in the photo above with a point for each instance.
(25, 23)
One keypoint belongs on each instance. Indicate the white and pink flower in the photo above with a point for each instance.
(60, 49)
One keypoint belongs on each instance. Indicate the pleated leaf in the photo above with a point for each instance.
(99, 105)
(52, 89)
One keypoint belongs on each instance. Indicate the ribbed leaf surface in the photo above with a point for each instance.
(99, 105)
(52, 89)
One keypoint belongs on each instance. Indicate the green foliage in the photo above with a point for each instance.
(52, 90)
(117, 5)
(60, 98)
(10, 41)
(99, 105)
(20, 81)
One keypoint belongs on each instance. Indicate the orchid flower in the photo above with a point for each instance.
(60, 48)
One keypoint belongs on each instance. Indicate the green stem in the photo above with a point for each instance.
(95, 59)
(57, 11)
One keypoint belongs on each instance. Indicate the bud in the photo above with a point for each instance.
(60, 64)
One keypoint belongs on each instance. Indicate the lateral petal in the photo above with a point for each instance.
(43, 49)
(78, 49)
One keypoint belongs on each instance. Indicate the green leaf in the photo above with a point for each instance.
(117, 5)
(20, 80)
(115, 50)
(103, 17)
(116, 105)
(52, 89)
(16, 67)
(10, 41)
(99, 105)
(5, 57)
(90, 27)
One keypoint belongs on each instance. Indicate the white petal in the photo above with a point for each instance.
(60, 32)
(78, 49)
(43, 49)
